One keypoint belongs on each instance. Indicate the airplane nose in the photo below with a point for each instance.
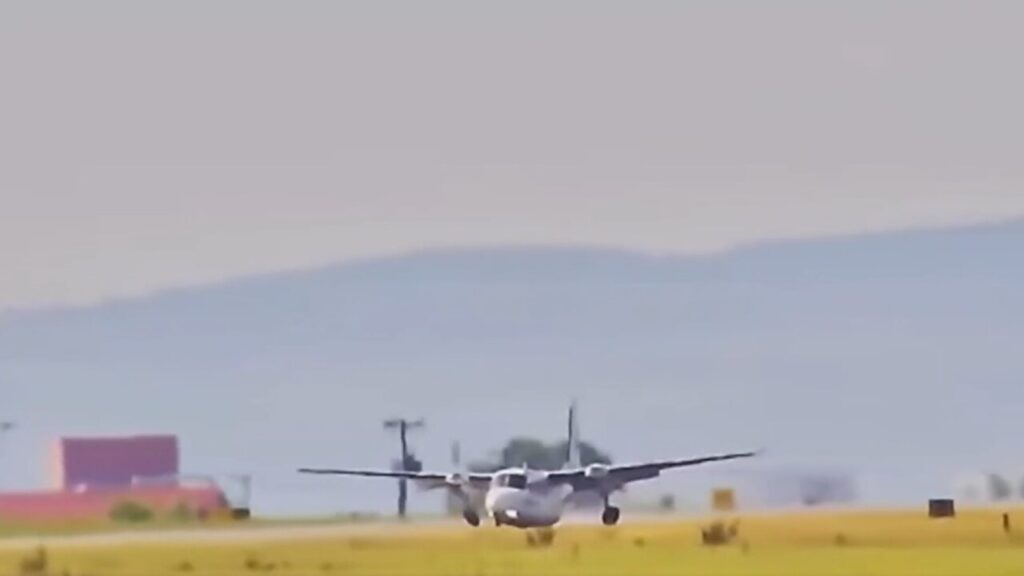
(503, 502)
(503, 507)
(497, 500)
(518, 508)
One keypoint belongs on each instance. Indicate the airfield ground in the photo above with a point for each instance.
(813, 544)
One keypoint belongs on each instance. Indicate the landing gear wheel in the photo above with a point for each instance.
(471, 517)
(610, 516)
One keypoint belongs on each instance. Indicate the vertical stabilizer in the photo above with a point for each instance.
(572, 448)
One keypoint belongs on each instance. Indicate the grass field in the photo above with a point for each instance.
(848, 543)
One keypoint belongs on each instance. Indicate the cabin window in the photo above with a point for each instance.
(510, 480)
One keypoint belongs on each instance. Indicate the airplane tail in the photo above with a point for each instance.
(572, 447)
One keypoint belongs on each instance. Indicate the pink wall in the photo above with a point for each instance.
(98, 503)
(114, 462)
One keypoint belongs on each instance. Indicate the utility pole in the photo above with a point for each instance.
(405, 464)
(242, 509)
(6, 427)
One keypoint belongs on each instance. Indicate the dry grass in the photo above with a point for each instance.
(850, 543)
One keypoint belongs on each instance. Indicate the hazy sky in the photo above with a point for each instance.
(147, 145)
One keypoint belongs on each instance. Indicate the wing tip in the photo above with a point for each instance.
(315, 471)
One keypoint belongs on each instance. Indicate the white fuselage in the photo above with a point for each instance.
(525, 499)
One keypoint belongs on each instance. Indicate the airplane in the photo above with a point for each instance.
(526, 498)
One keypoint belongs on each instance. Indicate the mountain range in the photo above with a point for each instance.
(896, 356)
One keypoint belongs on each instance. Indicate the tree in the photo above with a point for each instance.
(538, 455)
(130, 512)
(999, 488)
(589, 454)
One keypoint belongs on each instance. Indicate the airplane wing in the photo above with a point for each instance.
(614, 477)
(427, 479)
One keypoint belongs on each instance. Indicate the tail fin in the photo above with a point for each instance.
(572, 450)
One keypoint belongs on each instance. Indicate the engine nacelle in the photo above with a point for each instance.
(596, 471)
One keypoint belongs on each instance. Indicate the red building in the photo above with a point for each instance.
(97, 504)
(114, 462)
(90, 476)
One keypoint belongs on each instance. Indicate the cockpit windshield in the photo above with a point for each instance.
(511, 480)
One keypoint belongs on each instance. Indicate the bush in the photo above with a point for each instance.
(718, 533)
(181, 513)
(130, 512)
(35, 564)
(253, 563)
(541, 538)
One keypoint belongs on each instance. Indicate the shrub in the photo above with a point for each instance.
(252, 563)
(181, 513)
(541, 538)
(719, 533)
(130, 512)
(35, 564)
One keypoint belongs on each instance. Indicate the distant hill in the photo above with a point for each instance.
(894, 355)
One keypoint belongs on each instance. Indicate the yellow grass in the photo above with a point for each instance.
(849, 543)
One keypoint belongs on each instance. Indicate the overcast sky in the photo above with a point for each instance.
(147, 145)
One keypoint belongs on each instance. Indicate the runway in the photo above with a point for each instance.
(269, 532)
(218, 535)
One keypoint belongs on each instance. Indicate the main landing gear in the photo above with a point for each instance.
(610, 516)
(471, 517)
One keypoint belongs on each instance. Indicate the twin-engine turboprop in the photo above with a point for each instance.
(526, 498)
